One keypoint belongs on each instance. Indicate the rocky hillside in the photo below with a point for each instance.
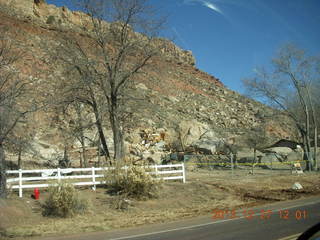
(178, 100)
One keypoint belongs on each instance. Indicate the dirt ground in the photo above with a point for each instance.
(204, 191)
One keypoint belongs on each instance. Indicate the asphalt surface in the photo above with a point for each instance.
(274, 221)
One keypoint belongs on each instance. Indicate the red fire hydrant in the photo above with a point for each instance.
(36, 193)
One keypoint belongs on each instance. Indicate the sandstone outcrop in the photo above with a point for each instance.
(179, 102)
(51, 17)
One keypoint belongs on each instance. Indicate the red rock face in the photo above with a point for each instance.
(38, 12)
(174, 88)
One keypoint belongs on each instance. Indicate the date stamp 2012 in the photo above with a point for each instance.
(263, 214)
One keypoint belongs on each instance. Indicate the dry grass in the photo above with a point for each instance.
(203, 192)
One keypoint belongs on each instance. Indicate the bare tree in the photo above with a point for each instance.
(79, 127)
(118, 54)
(78, 87)
(80, 123)
(292, 76)
(19, 141)
(12, 88)
(256, 139)
(72, 121)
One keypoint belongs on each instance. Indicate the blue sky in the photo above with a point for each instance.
(229, 38)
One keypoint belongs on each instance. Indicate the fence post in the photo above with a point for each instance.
(183, 173)
(232, 166)
(93, 179)
(59, 175)
(156, 170)
(20, 183)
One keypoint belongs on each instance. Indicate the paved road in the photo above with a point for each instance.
(274, 221)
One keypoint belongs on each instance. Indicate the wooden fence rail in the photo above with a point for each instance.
(95, 176)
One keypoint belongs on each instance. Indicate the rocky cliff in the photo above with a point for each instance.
(38, 13)
(179, 100)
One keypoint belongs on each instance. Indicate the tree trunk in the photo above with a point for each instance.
(83, 147)
(315, 160)
(101, 133)
(306, 138)
(19, 157)
(3, 176)
(99, 148)
(308, 142)
(81, 162)
(81, 138)
(118, 141)
(306, 152)
(66, 161)
(315, 130)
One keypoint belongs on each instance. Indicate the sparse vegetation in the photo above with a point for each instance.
(51, 19)
(204, 191)
(64, 201)
(132, 181)
(98, 81)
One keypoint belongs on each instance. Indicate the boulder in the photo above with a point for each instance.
(127, 147)
(45, 150)
(270, 158)
(294, 156)
(284, 151)
(248, 153)
(191, 131)
(141, 86)
(210, 135)
(173, 99)
(273, 161)
(297, 186)
(205, 146)
(160, 146)
(133, 137)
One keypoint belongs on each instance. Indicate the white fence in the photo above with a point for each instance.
(95, 176)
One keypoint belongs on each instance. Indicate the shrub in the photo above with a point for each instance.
(51, 19)
(132, 181)
(38, 2)
(64, 201)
